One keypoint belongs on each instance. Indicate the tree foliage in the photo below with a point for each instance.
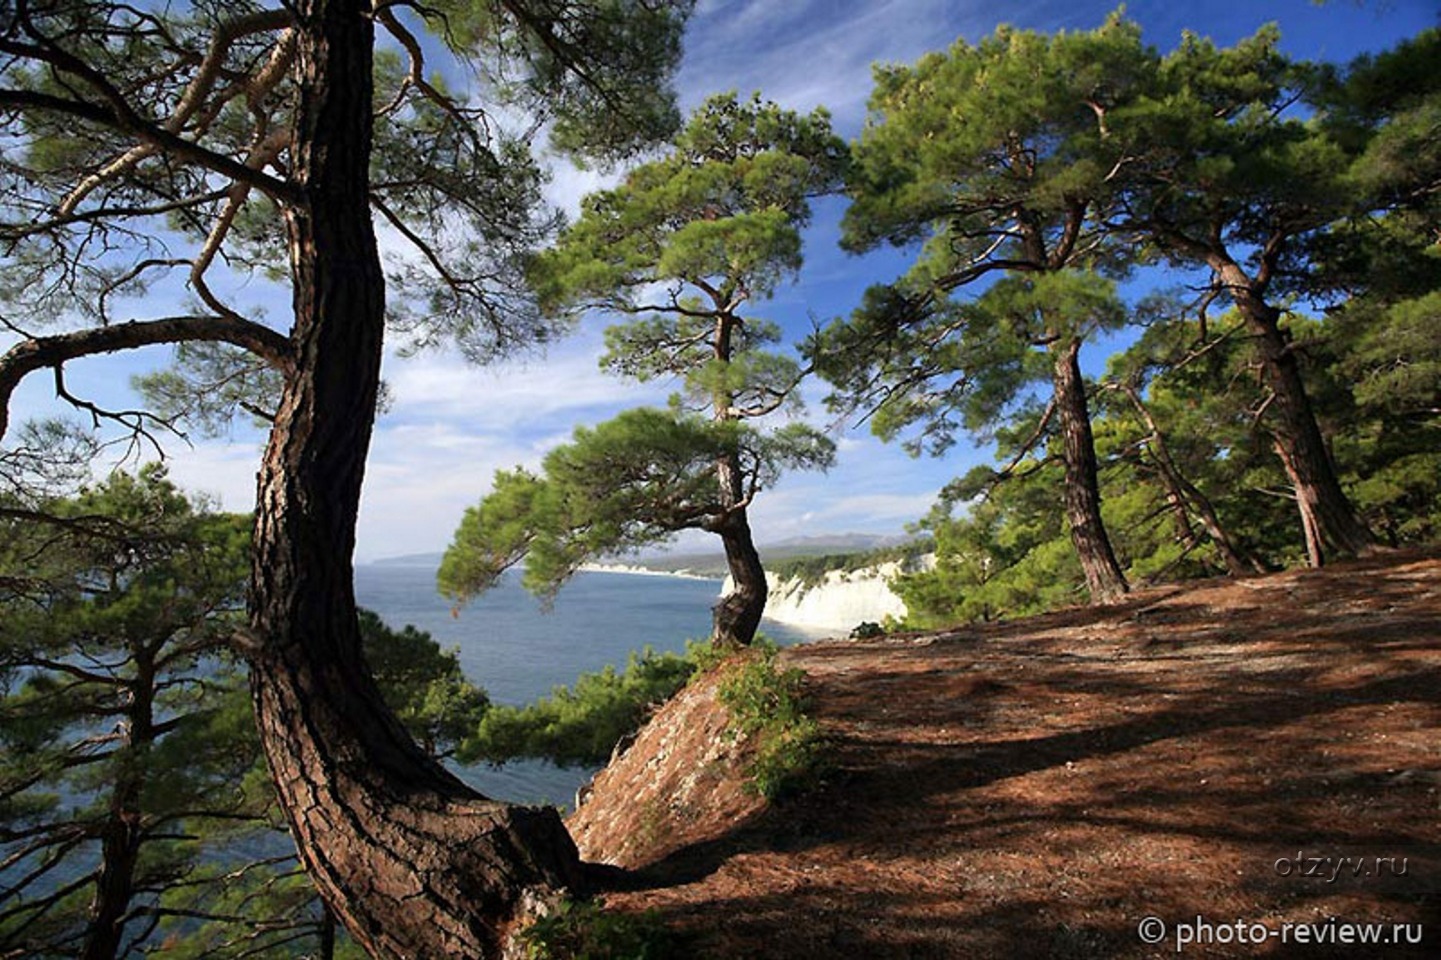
(1188, 474)
(994, 154)
(632, 481)
(119, 711)
(682, 247)
(135, 808)
(998, 158)
(210, 95)
(1224, 174)
(157, 159)
(581, 725)
(423, 684)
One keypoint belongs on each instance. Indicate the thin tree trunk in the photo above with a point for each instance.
(1310, 523)
(1104, 578)
(1188, 497)
(736, 616)
(412, 861)
(120, 837)
(1327, 516)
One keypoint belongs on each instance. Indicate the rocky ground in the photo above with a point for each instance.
(1262, 750)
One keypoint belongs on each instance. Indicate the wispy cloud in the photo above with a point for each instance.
(519, 393)
(223, 469)
(421, 478)
(819, 52)
(453, 424)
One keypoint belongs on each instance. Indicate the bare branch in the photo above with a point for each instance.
(466, 120)
(117, 111)
(134, 420)
(41, 352)
(18, 231)
(177, 146)
(260, 155)
(1031, 441)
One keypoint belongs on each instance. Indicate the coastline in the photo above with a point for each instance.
(639, 571)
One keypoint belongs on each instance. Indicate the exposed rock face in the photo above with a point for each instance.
(679, 783)
(841, 600)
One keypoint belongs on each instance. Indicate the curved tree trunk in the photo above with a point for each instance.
(1104, 577)
(1327, 516)
(737, 616)
(410, 860)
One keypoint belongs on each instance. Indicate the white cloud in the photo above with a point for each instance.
(453, 424)
(517, 394)
(569, 184)
(222, 469)
(817, 53)
(419, 481)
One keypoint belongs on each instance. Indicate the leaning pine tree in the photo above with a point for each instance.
(1222, 172)
(997, 156)
(154, 147)
(683, 247)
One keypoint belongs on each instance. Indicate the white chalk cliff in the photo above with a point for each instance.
(841, 600)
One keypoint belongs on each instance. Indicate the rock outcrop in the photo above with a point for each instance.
(841, 599)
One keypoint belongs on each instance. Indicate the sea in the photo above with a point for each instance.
(517, 649)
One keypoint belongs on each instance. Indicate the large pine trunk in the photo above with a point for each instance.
(1104, 578)
(411, 861)
(1327, 517)
(737, 616)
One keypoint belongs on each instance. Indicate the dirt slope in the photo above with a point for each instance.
(1039, 788)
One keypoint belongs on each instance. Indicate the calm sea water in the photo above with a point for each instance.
(517, 651)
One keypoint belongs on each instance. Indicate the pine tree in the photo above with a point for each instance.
(685, 246)
(997, 156)
(148, 147)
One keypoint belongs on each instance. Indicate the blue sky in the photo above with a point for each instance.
(452, 425)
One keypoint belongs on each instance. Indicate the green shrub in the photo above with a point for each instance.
(585, 930)
(580, 725)
(867, 630)
(767, 705)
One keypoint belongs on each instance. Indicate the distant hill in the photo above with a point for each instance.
(431, 560)
(773, 553)
(713, 561)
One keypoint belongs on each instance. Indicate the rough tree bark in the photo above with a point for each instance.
(1104, 577)
(1327, 516)
(737, 616)
(411, 861)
